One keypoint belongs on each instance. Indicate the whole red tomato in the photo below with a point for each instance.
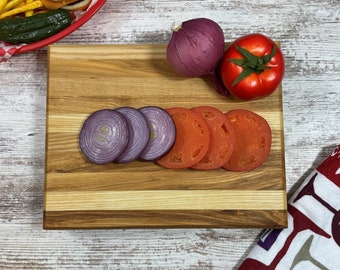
(252, 67)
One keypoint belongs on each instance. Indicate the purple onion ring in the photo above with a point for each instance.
(139, 134)
(104, 136)
(162, 133)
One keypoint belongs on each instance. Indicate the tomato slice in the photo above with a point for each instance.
(253, 140)
(222, 138)
(192, 139)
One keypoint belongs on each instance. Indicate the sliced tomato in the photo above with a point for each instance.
(253, 140)
(192, 139)
(222, 138)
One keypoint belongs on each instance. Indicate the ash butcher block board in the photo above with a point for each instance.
(85, 78)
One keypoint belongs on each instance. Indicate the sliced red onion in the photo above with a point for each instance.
(162, 133)
(139, 134)
(104, 136)
(196, 48)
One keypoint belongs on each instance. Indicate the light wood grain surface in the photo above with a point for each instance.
(137, 76)
(309, 32)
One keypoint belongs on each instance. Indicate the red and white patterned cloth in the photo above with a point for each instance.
(312, 239)
(7, 50)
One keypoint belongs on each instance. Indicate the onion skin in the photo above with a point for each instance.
(218, 83)
(196, 48)
(104, 136)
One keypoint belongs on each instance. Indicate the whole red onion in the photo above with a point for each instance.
(196, 47)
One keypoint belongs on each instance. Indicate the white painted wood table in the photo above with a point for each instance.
(309, 32)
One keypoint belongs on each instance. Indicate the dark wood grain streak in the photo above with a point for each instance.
(188, 180)
(164, 219)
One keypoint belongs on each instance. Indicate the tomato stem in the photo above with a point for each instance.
(251, 63)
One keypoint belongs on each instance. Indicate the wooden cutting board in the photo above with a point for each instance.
(85, 78)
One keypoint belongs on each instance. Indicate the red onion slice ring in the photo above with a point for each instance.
(162, 133)
(104, 136)
(139, 134)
